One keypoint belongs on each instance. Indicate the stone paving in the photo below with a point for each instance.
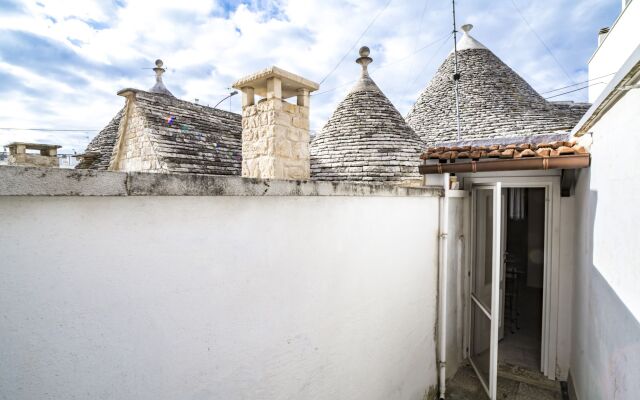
(513, 384)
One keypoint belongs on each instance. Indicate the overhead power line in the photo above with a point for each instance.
(576, 84)
(575, 90)
(424, 11)
(50, 130)
(541, 41)
(375, 70)
(444, 41)
(356, 42)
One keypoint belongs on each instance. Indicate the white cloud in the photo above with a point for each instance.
(206, 46)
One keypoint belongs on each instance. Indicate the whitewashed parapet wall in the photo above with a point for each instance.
(605, 347)
(141, 285)
(275, 133)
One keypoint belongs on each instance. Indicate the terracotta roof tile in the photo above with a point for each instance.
(554, 149)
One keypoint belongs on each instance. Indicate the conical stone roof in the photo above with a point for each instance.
(494, 101)
(366, 139)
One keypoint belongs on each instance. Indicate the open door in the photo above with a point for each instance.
(486, 268)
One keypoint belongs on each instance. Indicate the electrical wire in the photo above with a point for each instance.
(576, 84)
(431, 58)
(50, 130)
(540, 40)
(356, 42)
(424, 11)
(375, 70)
(575, 90)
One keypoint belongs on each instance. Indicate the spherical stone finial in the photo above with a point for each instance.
(364, 59)
(466, 28)
(159, 63)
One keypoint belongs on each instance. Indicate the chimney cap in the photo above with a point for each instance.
(290, 82)
(33, 146)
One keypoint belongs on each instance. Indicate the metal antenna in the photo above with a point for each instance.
(456, 74)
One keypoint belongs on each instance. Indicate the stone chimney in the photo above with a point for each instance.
(47, 156)
(275, 133)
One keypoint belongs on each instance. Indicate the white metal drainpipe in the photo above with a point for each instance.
(442, 286)
(460, 283)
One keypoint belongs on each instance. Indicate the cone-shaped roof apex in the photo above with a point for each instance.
(494, 100)
(366, 138)
(467, 41)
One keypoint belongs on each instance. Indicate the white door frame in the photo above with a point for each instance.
(551, 184)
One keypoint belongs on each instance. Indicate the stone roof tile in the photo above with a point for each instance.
(494, 101)
(366, 138)
(98, 153)
(186, 137)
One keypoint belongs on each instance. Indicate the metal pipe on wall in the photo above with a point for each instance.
(442, 287)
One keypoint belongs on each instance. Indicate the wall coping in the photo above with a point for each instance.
(36, 181)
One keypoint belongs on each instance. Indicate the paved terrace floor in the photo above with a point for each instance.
(514, 383)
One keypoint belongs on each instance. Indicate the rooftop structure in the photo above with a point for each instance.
(494, 100)
(366, 138)
(157, 132)
(98, 153)
(47, 155)
(275, 133)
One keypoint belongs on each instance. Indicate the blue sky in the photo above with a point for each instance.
(62, 62)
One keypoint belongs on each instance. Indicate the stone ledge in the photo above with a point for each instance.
(34, 181)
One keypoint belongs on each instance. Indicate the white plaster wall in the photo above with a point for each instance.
(605, 356)
(217, 297)
(616, 48)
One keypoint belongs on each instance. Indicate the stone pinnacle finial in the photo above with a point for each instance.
(159, 86)
(159, 70)
(467, 41)
(364, 59)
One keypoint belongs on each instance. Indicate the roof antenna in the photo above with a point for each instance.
(456, 74)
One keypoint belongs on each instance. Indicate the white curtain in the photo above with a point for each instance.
(517, 205)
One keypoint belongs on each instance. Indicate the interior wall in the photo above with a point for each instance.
(605, 357)
(218, 297)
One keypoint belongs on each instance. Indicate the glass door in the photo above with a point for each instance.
(485, 284)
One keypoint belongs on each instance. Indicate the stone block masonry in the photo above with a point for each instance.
(47, 156)
(275, 133)
(275, 140)
(136, 151)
